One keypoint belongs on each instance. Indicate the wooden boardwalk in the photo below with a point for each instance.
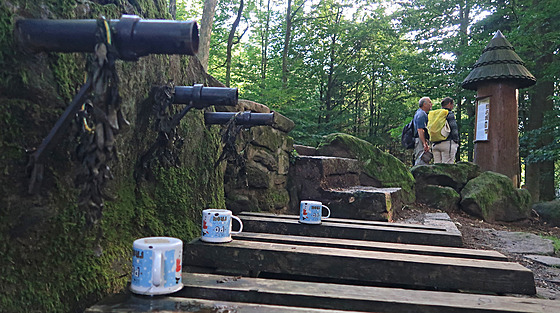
(364, 267)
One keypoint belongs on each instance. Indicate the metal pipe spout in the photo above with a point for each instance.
(202, 97)
(133, 36)
(246, 118)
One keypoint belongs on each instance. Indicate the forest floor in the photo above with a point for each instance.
(478, 234)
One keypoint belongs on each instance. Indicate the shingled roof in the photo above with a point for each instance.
(499, 62)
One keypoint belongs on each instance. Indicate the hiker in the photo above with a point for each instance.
(444, 151)
(422, 154)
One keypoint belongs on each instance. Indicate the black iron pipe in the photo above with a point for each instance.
(132, 36)
(246, 118)
(202, 97)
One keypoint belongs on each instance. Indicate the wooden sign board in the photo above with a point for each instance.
(482, 119)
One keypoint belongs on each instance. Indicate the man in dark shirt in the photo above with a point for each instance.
(422, 144)
(444, 151)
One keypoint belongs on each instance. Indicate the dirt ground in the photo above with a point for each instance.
(547, 279)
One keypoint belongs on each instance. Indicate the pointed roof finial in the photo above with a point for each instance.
(498, 34)
(499, 62)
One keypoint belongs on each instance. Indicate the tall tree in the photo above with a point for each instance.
(231, 42)
(290, 15)
(208, 12)
(442, 27)
(265, 37)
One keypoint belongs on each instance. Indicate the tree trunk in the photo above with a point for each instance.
(539, 176)
(173, 8)
(463, 43)
(287, 38)
(230, 43)
(206, 22)
(371, 105)
(264, 49)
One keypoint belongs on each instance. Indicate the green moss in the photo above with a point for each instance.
(494, 194)
(382, 166)
(443, 198)
(274, 199)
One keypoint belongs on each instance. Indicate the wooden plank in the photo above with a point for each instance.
(344, 220)
(360, 267)
(374, 246)
(358, 298)
(133, 303)
(282, 226)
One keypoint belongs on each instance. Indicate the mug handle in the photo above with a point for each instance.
(240, 225)
(328, 215)
(157, 268)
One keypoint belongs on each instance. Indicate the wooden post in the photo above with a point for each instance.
(500, 152)
(497, 76)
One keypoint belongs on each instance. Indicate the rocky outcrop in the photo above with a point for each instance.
(379, 169)
(439, 197)
(352, 177)
(449, 187)
(455, 176)
(492, 197)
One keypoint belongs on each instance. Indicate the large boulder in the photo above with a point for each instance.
(549, 211)
(380, 169)
(455, 176)
(438, 197)
(492, 197)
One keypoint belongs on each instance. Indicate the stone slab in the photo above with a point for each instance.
(363, 202)
(521, 242)
(544, 259)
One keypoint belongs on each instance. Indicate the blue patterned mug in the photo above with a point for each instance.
(156, 265)
(311, 212)
(216, 225)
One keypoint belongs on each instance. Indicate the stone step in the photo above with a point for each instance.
(363, 202)
(326, 172)
(305, 150)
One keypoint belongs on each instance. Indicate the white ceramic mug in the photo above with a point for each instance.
(216, 225)
(156, 265)
(311, 212)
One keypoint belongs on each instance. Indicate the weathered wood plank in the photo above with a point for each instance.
(361, 267)
(359, 298)
(133, 303)
(374, 246)
(387, 233)
(345, 221)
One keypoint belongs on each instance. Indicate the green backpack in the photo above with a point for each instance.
(438, 127)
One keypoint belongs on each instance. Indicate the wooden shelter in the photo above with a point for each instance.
(497, 76)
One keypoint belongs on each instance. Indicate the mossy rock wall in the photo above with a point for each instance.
(50, 261)
(260, 183)
(380, 166)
